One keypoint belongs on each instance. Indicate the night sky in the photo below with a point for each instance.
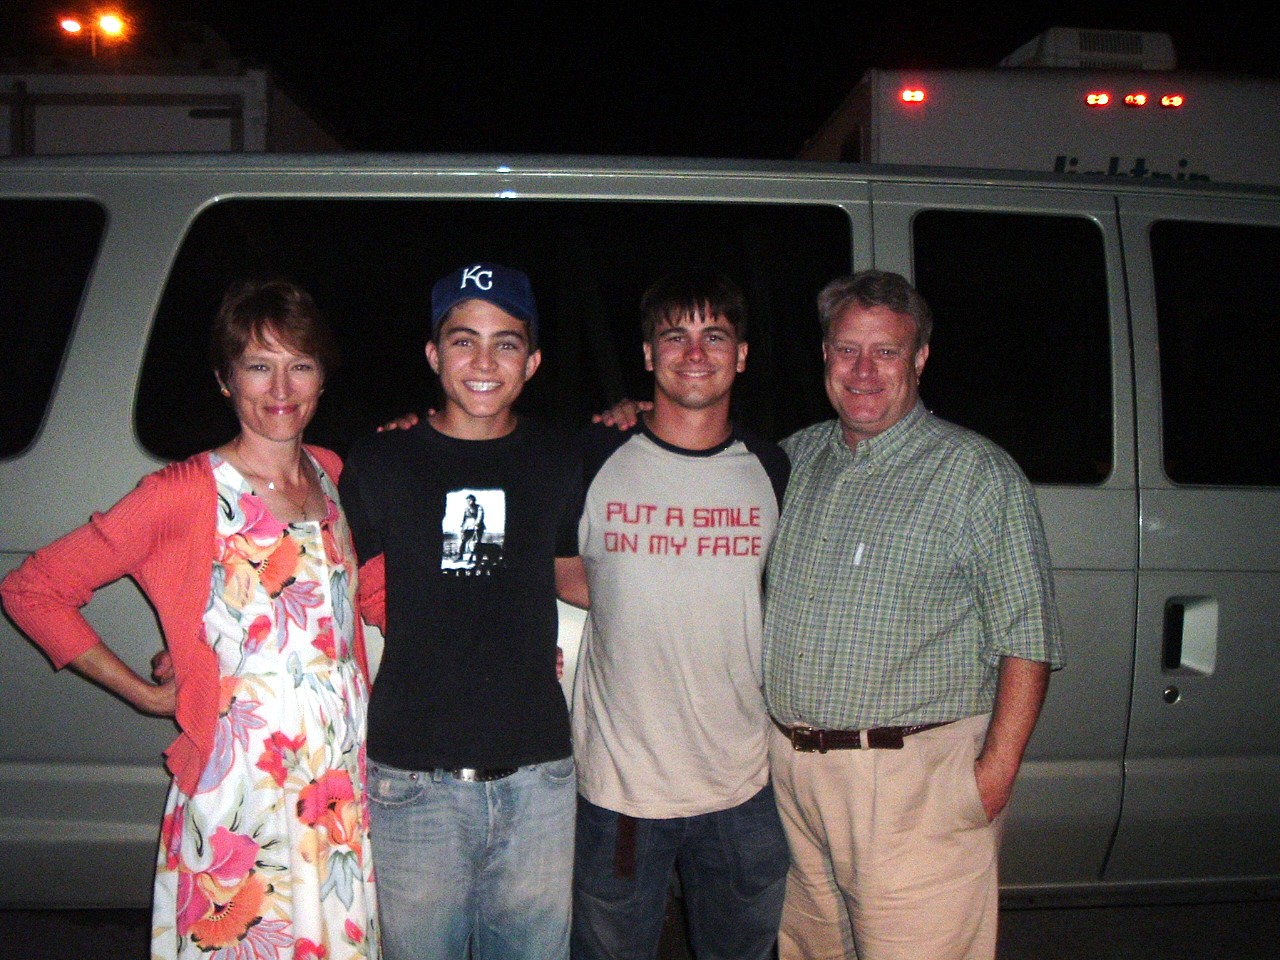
(711, 79)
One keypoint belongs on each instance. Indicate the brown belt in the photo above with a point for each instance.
(809, 740)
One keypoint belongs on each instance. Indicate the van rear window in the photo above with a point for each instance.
(1021, 340)
(47, 248)
(1218, 309)
(370, 265)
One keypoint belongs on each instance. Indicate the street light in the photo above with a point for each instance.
(109, 26)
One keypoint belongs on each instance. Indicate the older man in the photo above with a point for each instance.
(910, 629)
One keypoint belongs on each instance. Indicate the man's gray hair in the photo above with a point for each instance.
(875, 288)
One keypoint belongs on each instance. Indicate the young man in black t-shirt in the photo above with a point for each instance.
(471, 777)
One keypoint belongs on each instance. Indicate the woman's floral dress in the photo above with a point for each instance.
(270, 857)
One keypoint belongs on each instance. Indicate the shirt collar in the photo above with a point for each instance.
(724, 445)
(883, 445)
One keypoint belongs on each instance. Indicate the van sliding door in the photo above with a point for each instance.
(1203, 760)
(1030, 348)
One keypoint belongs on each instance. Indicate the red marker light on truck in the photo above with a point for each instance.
(1135, 100)
(1172, 100)
(913, 95)
(1098, 98)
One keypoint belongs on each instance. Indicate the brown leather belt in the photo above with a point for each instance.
(809, 740)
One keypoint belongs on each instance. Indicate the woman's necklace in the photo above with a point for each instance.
(253, 472)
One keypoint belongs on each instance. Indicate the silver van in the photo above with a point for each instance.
(1117, 337)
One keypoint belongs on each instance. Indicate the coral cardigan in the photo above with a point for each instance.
(163, 535)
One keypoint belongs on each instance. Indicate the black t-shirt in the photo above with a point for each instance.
(470, 530)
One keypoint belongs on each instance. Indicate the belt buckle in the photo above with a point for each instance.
(805, 731)
(481, 774)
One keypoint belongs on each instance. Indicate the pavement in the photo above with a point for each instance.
(71, 934)
(1244, 930)
(126, 935)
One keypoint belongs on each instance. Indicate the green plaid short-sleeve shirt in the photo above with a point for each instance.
(900, 575)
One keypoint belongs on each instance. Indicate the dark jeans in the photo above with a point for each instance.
(733, 870)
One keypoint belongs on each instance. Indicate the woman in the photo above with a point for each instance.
(246, 557)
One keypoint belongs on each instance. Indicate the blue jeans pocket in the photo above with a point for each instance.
(558, 771)
(391, 787)
(755, 845)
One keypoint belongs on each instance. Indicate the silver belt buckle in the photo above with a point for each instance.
(481, 774)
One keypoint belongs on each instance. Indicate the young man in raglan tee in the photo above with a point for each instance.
(669, 723)
(471, 777)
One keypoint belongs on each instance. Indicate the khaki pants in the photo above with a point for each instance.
(892, 856)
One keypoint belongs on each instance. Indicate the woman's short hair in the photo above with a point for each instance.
(255, 310)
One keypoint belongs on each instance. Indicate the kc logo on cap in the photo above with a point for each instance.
(505, 287)
(482, 278)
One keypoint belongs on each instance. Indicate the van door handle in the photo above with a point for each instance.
(1190, 635)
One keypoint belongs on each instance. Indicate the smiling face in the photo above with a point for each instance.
(872, 370)
(482, 355)
(274, 389)
(694, 360)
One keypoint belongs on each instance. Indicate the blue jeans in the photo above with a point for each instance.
(733, 871)
(481, 866)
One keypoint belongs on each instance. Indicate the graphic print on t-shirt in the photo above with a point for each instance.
(704, 531)
(474, 526)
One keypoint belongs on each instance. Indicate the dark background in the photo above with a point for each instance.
(699, 79)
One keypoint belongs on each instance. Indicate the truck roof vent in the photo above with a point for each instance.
(1095, 49)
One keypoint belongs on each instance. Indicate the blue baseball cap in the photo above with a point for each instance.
(504, 287)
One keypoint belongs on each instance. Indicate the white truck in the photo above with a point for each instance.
(1071, 102)
(220, 107)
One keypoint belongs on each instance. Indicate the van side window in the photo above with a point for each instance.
(370, 265)
(47, 248)
(1020, 348)
(1218, 308)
